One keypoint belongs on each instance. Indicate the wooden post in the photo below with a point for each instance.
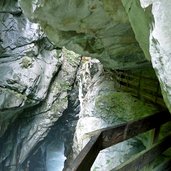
(165, 166)
(139, 86)
(116, 134)
(157, 92)
(145, 157)
(107, 137)
(87, 156)
(156, 133)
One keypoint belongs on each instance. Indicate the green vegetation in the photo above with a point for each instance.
(71, 57)
(124, 106)
(26, 62)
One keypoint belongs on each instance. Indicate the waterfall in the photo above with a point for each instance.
(55, 156)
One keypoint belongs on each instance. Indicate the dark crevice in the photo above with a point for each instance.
(61, 132)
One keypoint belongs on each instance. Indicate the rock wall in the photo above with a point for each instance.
(36, 75)
(56, 146)
(35, 78)
(96, 28)
(101, 105)
(152, 30)
(101, 29)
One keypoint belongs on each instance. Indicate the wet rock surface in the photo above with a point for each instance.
(105, 30)
(101, 105)
(154, 37)
(35, 78)
(33, 124)
(26, 65)
(57, 145)
(96, 28)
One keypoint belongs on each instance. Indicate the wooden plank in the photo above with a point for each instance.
(110, 136)
(87, 156)
(146, 93)
(144, 88)
(161, 102)
(151, 99)
(155, 135)
(165, 166)
(148, 97)
(132, 85)
(145, 157)
(134, 75)
(148, 90)
(125, 79)
(116, 134)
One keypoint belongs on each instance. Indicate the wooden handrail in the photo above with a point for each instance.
(87, 156)
(133, 75)
(166, 166)
(119, 133)
(110, 136)
(137, 85)
(145, 157)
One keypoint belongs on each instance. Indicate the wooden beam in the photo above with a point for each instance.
(116, 134)
(156, 133)
(134, 75)
(107, 137)
(145, 157)
(166, 166)
(87, 156)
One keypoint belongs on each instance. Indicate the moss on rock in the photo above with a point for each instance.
(72, 58)
(124, 106)
(26, 62)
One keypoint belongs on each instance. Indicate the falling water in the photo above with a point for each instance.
(55, 156)
(57, 145)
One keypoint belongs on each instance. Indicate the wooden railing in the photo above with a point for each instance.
(143, 87)
(107, 137)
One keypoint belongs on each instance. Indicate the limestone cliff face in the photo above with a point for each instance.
(35, 79)
(37, 75)
(101, 105)
(28, 62)
(153, 32)
(96, 28)
(101, 29)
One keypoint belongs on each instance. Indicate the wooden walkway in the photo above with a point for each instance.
(107, 137)
(143, 87)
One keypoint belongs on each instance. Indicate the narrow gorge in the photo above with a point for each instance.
(69, 68)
